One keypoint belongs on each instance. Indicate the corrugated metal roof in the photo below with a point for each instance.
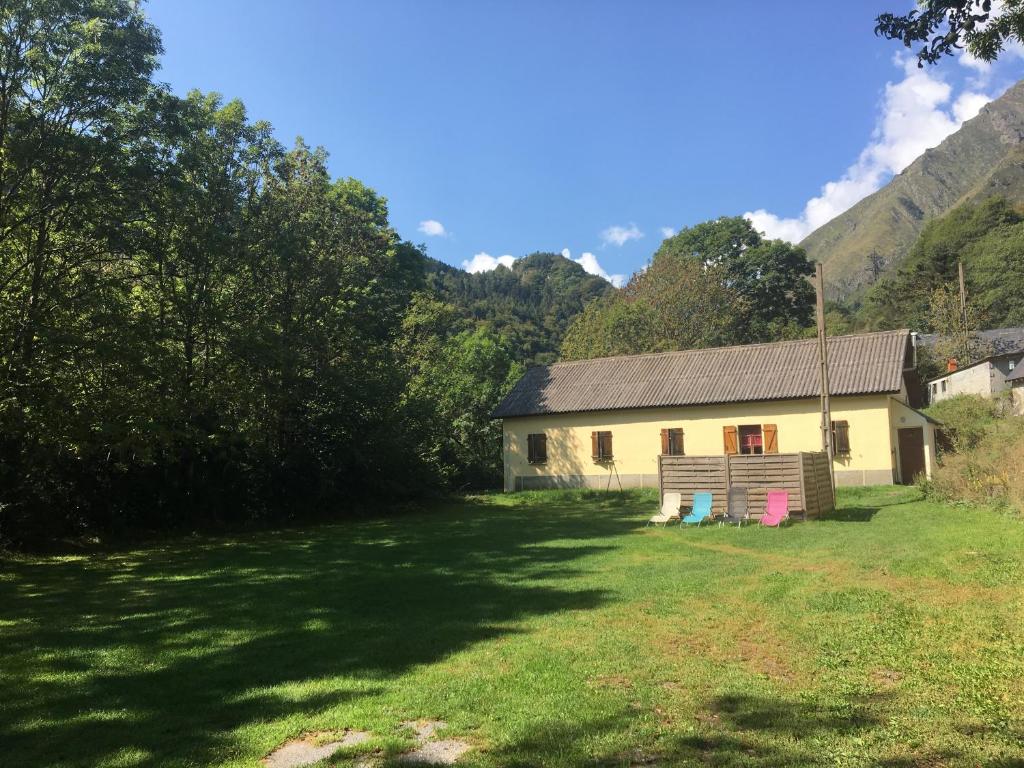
(1002, 341)
(861, 364)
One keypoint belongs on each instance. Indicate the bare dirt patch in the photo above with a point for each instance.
(424, 729)
(886, 678)
(432, 751)
(441, 752)
(311, 748)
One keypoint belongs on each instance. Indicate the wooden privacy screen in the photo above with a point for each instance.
(804, 475)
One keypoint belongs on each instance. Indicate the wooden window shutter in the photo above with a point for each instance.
(606, 445)
(840, 437)
(665, 448)
(595, 448)
(730, 439)
(541, 448)
(530, 450)
(771, 438)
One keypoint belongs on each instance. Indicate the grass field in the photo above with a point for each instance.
(546, 629)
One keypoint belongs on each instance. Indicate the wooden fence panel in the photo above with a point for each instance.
(804, 475)
(687, 475)
(767, 472)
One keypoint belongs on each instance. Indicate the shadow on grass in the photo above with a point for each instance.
(851, 514)
(166, 650)
(735, 730)
(860, 504)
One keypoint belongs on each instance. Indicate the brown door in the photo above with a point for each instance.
(911, 454)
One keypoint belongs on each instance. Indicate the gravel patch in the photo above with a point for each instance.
(432, 751)
(441, 752)
(305, 751)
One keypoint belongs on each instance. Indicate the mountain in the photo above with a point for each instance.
(531, 304)
(984, 157)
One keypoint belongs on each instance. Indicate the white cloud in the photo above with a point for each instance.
(484, 262)
(591, 266)
(620, 235)
(916, 113)
(667, 232)
(432, 228)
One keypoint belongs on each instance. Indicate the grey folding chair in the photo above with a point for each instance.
(738, 510)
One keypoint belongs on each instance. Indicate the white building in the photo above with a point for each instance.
(986, 378)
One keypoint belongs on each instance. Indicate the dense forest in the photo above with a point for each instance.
(197, 324)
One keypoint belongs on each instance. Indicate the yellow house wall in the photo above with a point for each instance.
(902, 417)
(636, 439)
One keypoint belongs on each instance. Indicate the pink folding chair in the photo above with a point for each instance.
(776, 508)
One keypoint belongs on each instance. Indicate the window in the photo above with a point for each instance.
(1012, 365)
(537, 448)
(601, 445)
(840, 437)
(672, 442)
(943, 385)
(751, 439)
(935, 388)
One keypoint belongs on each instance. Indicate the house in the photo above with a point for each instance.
(604, 422)
(987, 378)
(1015, 381)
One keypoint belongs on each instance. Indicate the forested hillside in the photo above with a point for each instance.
(530, 304)
(984, 158)
(989, 238)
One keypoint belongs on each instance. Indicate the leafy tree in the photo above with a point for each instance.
(982, 27)
(74, 92)
(958, 333)
(713, 284)
(770, 276)
(679, 302)
(455, 385)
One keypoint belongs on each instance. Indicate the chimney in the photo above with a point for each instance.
(951, 365)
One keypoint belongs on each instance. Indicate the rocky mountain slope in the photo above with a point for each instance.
(983, 158)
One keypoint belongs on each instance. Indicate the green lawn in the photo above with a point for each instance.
(547, 629)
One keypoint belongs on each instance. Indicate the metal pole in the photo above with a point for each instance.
(826, 405)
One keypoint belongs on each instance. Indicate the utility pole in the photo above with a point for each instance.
(964, 346)
(826, 406)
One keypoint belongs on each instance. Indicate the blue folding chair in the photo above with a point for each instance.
(701, 509)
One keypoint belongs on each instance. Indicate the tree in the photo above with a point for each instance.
(679, 302)
(75, 97)
(957, 329)
(769, 276)
(456, 382)
(981, 27)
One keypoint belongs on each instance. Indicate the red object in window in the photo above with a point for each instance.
(752, 441)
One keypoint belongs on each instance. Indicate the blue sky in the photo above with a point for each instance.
(587, 126)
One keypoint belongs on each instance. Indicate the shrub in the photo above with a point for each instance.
(965, 420)
(991, 471)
